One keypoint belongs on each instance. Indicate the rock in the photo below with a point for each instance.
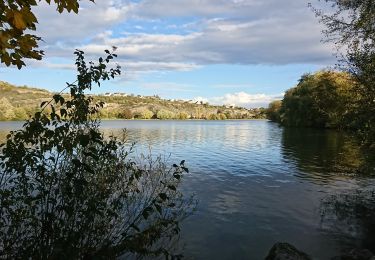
(356, 254)
(285, 251)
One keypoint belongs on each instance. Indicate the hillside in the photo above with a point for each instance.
(18, 103)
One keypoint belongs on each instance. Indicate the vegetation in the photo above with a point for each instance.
(344, 100)
(66, 191)
(21, 102)
(16, 21)
(323, 99)
(351, 28)
(273, 110)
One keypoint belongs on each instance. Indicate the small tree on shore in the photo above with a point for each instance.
(351, 27)
(66, 191)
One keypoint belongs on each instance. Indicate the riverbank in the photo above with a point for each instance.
(18, 103)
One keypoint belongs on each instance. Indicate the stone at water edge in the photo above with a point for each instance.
(285, 251)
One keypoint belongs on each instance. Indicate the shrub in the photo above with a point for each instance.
(323, 99)
(165, 114)
(222, 116)
(212, 117)
(66, 191)
(20, 113)
(273, 111)
(6, 110)
(183, 116)
(144, 114)
(126, 114)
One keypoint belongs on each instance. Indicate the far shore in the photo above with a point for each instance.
(120, 119)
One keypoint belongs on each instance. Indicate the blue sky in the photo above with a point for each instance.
(242, 52)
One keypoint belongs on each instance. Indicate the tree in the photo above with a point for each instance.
(6, 110)
(20, 113)
(352, 28)
(165, 114)
(16, 19)
(67, 191)
(126, 114)
(273, 111)
(183, 116)
(322, 100)
(144, 113)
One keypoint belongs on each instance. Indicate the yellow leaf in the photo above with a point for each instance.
(28, 16)
(3, 38)
(18, 21)
(6, 59)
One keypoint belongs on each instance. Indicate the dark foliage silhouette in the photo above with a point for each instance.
(67, 191)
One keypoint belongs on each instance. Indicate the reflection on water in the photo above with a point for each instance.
(257, 183)
(324, 155)
(351, 217)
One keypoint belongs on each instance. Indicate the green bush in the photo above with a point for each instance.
(212, 117)
(273, 111)
(183, 116)
(323, 99)
(165, 114)
(66, 191)
(222, 116)
(125, 114)
(143, 114)
(6, 110)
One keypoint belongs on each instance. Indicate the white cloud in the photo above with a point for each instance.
(93, 18)
(200, 99)
(242, 99)
(128, 67)
(270, 32)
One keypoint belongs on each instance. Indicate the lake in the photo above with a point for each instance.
(258, 184)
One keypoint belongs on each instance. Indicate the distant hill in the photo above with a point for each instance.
(19, 102)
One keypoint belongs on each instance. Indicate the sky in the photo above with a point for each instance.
(238, 52)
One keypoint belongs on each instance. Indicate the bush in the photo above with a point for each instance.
(213, 117)
(143, 114)
(20, 113)
(165, 114)
(126, 114)
(273, 111)
(6, 110)
(66, 191)
(323, 99)
(222, 116)
(183, 116)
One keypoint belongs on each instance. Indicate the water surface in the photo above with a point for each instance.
(257, 184)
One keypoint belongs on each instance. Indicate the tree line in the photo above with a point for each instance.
(345, 99)
(325, 99)
(18, 103)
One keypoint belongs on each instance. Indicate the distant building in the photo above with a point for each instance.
(120, 94)
(117, 94)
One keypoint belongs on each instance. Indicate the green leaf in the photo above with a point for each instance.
(146, 212)
(171, 187)
(84, 140)
(76, 162)
(63, 112)
(158, 208)
(135, 227)
(163, 196)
